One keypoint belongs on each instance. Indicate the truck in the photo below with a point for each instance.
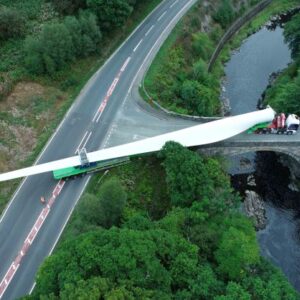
(87, 167)
(279, 125)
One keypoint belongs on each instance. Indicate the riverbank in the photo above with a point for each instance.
(169, 88)
(247, 74)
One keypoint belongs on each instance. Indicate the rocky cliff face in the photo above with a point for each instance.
(255, 209)
(294, 169)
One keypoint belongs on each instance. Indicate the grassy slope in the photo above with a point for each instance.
(218, 70)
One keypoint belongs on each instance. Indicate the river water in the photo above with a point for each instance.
(247, 75)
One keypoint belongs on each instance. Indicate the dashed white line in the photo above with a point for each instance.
(87, 139)
(162, 15)
(112, 87)
(173, 4)
(137, 46)
(150, 29)
(81, 142)
(125, 64)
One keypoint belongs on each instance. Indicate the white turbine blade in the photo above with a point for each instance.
(197, 135)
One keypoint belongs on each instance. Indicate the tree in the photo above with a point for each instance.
(234, 291)
(93, 288)
(185, 174)
(189, 178)
(61, 42)
(237, 251)
(12, 23)
(145, 262)
(292, 35)
(202, 45)
(111, 13)
(112, 198)
(68, 7)
(225, 14)
(51, 50)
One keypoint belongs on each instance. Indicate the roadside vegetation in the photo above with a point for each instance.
(284, 94)
(48, 51)
(181, 237)
(178, 79)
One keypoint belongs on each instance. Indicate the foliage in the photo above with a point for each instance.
(225, 14)
(60, 42)
(237, 251)
(292, 35)
(234, 291)
(111, 13)
(197, 251)
(106, 208)
(146, 260)
(189, 178)
(11, 23)
(68, 7)
(284, 94)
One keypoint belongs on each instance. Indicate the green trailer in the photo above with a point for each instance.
(258, 126)
(72, 172)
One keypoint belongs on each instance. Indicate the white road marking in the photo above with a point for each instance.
(137, 46)
(87, 139)
(162, 15)
(125, 64)
(78, 148)
(173, 4)
(150, 29)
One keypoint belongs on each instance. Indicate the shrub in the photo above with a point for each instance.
(60, 43)
(225, 14)
(11, 23)
(111, 13)
(68, 7)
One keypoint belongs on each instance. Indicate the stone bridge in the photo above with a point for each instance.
(243, 143)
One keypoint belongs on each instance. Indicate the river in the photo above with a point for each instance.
(247, 75)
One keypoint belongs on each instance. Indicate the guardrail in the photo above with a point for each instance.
(226, 37)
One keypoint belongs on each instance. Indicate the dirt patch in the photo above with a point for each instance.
(24, 115)
(21, 96)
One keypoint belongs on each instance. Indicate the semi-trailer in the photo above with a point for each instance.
(279, 125)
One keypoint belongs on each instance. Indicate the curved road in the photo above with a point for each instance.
(28, 230)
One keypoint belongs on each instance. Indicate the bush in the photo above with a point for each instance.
(60, 43)
(11, 23)
(292, 35)
(111, 13)
(225, 14)
(50, 51)
(68, 7)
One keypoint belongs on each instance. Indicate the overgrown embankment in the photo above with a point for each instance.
(48, 51)
(284, 93)
(178, 78)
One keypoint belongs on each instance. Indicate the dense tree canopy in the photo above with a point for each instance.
(190, 178)
(60, 42)
(225, 14)
(196, 251)
(111, 13)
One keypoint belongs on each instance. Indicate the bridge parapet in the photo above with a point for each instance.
(234, 147)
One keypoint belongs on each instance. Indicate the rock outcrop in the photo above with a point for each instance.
(255, 209)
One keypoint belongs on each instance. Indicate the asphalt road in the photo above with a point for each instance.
(93, 121)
